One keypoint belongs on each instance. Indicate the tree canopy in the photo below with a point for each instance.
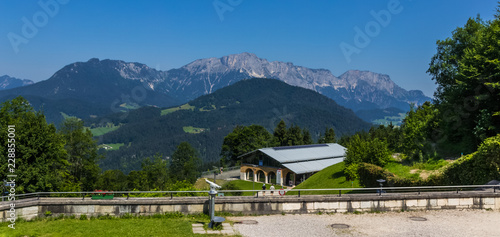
(185, 163)
(466, 69)
(82, 153)
(40, 157)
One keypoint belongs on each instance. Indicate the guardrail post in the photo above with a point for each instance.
(257, 194)
(83, 197)
(171, 196)
(128, 194)
(340, 193)
(457, 190)
(37, 196)
(418, 191)
(299, 193)
(494, 189)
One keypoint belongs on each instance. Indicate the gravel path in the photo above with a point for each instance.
(439, 223)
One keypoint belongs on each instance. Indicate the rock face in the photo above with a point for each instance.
(354, 89)
(105, 80)
(102, 83)
(7, 82)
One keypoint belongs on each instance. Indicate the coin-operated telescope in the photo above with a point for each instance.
(213, 186)
(212, 193)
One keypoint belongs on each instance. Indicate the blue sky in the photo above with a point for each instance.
(170, 34)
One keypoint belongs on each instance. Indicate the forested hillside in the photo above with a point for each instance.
(204, 122)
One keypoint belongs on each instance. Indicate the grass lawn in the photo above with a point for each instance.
(402, 170)
(111, 146)
(103, 130)
(210, 109)
(249, 185)
(201, 184)
(330, 177)
(111, 227)
(65, 116)
(416, 170)
(173, 109)
(191, 129)
(130, 106)
(396, 120)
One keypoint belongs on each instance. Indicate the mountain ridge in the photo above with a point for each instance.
(7, 82)
(115, 83)
(343, 89)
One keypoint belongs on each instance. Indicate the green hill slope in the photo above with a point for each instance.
(330, 177)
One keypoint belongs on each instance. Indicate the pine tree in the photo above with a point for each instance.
(280, 134)
(185, 163)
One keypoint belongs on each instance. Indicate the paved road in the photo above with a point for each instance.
(439, 223)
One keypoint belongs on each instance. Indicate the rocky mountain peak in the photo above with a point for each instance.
(7, 82)
(380, 81)
(354, 85)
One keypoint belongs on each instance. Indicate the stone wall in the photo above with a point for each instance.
(32, 208)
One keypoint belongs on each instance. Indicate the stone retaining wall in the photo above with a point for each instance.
(32, 208)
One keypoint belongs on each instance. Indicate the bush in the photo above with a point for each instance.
(83, 217)
(231, 186)
(351, 172)
(127, 216)
(104, 217)
(479, 167)
(373, 151)
(184, 185)
(369, 173)
(174, 214)
(147, 194)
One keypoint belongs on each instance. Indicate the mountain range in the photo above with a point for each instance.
(107, 86)
(354, 89)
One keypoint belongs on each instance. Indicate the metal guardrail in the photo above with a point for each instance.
(378, 190)
(218, 170)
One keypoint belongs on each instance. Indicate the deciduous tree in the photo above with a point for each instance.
(40, 158)
(82, 153)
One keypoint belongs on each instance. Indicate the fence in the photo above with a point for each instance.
(298, 192)
(211, 172)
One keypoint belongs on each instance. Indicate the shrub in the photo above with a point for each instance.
(373, 151)
(83, 217)
(127, 216)
(369, 173)
(174, 214)
(351, 172)
(231, 186)
(476, 168)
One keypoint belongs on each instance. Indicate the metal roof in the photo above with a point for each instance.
(306, 158)
(312, 166)
(304, 153)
